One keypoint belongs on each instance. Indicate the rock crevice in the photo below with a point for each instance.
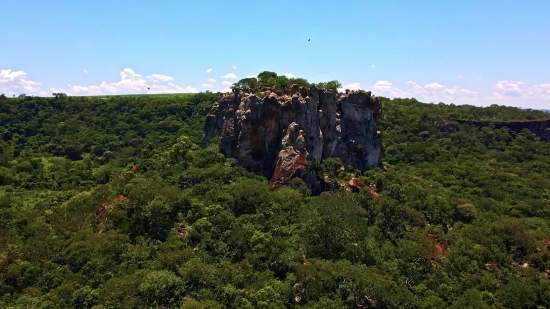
(275, 135)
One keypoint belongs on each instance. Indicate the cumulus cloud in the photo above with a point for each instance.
(384, 87)
(431, 92)
(211, 80)
(507, 89)
(209, 70)
(434, 86)
(251, 76)
(289, 75)
(129, 83)
(85, 71)
(207, 85)
(226, 83)
(155, 78)
(229, 76)
(16, 82)
(352, 86)
(234, 67)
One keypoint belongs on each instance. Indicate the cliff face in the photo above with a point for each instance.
(274, 136)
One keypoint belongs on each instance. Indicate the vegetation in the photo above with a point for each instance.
(82, 226)
(282, 84)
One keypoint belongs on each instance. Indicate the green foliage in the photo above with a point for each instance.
(194, 230)
(282, 84)
(332, 85)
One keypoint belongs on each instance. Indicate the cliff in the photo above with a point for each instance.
(275, 136)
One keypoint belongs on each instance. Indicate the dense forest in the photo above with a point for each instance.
(109, 202)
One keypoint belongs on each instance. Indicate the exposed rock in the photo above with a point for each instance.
(135, 169)
(294, 89)
(439, 247)
(357, 184)
(104, 208)
(274, 136)
(182, 229)
(492, 267)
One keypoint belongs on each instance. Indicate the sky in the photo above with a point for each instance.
(462, 52)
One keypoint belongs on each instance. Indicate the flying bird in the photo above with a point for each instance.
(148, 88)
(308, 40)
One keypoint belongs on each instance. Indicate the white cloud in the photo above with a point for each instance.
(16, 82)
(85, 71)
(155, 78)
(207, 85)
(373, 66)
(226, 83)
(211, 80)
(129, 83)
(234, 67)
(289, 75)
(384, 87)
(432, 92)
(251, 76)
(455, 90)
(190, 89)
(434, 86)
(226, 89)
(506, 89)
(209, 70)
(229, 76)
(352, 86)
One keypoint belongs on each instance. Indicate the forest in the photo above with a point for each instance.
(109, 202)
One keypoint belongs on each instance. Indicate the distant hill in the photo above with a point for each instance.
(546, 111)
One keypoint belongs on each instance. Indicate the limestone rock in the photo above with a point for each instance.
(275, 135)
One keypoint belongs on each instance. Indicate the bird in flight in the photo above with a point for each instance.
(308, 40)
(148, 88)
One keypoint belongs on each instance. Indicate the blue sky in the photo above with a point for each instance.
(462, 52)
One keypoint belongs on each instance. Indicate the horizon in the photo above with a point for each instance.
(463, 52)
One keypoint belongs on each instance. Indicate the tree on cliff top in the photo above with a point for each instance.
(268, 79)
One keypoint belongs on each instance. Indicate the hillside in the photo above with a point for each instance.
(111, 203)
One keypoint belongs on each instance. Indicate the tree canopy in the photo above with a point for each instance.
(109, 202)
(281, 83)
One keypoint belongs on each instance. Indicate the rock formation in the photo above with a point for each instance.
(275, 135)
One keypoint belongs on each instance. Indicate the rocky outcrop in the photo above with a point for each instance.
(104, 208)
(356, 184)
(275, 136)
